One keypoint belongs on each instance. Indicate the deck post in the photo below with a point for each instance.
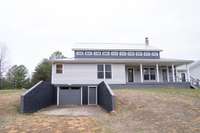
(188, 73)
(157, 73)
(141, 73)
(167, 73)
(173, 74)
(58, 95)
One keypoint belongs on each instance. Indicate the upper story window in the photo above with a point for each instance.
(115, 53)
(97, 53)
(100, 71)
(108, 71)
(138, 53)
(88, 53)
(154, 53)
(106, 53)
(147, 54)
(122, 53)
(59, 68)
(79, 53)
(131, 53)
(104, 71)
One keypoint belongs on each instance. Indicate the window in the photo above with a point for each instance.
(100, 71)
(138, 53)
(59, 68)
(114, 53)
(64, 87)
(154, 53)
(152, 74)
(88, 53)
(131, 53)
(147, 54)
(146, 74)
(122, 53)
(108, 71)
(104, 71)
(97, 53)
(106, 53)
(75, 88)
(79, 53)
(149, 73)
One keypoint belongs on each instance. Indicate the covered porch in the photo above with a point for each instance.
(154, 73)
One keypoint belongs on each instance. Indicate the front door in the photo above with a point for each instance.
(164, 75)
(183, 77)
(130, 75)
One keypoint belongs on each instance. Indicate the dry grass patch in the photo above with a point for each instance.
(154, 111)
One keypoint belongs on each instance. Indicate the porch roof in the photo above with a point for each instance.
(162, 61)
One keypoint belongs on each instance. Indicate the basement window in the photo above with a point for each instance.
(59, 68)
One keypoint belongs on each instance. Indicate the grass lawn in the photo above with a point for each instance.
(137, 111)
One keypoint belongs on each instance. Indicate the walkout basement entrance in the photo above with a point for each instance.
(82, 95)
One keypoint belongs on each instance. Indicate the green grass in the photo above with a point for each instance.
(171, 91)
(11, 91)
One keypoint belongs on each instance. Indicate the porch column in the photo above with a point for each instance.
(173, 74)
(141, 73)
(157, 73)
(58, 95)
(167, 73)
(188, 73)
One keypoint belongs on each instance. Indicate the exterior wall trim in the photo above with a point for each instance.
(58, 95)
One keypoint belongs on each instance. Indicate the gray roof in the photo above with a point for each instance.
(162, 61)
(113, 46)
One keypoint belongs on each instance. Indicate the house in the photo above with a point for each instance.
(118, 64)
(194, 70)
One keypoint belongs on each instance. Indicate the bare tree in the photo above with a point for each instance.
(2, 62)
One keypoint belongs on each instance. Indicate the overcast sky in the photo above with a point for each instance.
(32, 30)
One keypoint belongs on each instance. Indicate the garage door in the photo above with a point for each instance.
(70, 96)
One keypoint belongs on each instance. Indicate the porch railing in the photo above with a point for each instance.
(195, 82)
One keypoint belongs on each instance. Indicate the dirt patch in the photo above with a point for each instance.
(52, 124)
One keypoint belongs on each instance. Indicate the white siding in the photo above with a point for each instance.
(87, 74)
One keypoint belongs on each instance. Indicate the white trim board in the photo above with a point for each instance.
(32, 88)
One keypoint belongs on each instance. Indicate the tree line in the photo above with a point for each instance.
(16, 77)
